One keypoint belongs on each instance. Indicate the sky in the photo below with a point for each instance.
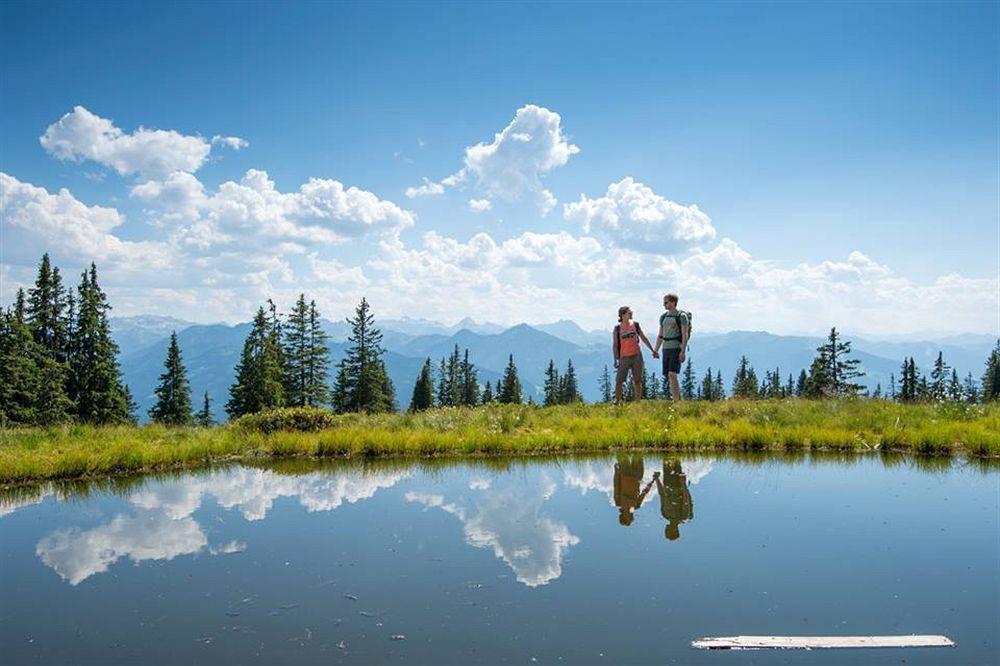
(781, 166)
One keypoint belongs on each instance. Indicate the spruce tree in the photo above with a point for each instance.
(745, 383)
(509, 391)
(260, 373)
(955, 393)
(605, 386)
(173, 394)
(718, 388)
(470, 381)
(817, 384)
(552, 386)
(990, 388)
(96, 378)
(307, 356)
(940, 374)
(688, 382)
(970, 392)
(131, 407)
(20, 379)
(800, 383)
(707, 389)
(423, 389)
(362, 383)
(569, 391)
(204, 416)
(840, 370)
(487, 394)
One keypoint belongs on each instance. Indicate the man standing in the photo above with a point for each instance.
(674, 331)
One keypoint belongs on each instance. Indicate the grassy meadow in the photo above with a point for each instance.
(79, 451)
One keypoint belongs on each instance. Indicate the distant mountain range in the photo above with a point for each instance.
(211, 351)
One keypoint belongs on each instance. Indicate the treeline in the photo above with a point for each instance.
(58, 362)
(832, 374)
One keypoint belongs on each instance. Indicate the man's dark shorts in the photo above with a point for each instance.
(671, 361)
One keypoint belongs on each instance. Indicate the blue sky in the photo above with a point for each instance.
(843, 158)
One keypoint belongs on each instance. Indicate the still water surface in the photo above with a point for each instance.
(572, 560)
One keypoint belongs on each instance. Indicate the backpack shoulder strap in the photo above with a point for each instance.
(617, 345)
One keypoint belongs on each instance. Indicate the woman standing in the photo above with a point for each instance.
(628, 355)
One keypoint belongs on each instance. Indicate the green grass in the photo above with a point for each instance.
(79, 451)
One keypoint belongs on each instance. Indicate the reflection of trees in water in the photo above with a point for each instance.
(161, 525)
(506, 516)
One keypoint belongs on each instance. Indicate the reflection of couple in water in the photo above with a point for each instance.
(675, 498)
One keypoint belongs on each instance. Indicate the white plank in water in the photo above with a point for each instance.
(819, 642)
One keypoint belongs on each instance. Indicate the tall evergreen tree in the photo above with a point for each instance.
(800, 383)
(719, 389)
(605, 386)
(569, 391)
(307, 356)
(970, 392)
(260, 373)
(470, 381)
(955, 393)
(487, 394)
(96, 378)
(423, 389)
(940, 374)
(510, 386)
(551, 390)
(131, 407)
(707, 389)
(990, 389)
(204, 416)
(20, 379)
(364, 383)
(173, 394)
(688, 382)
(839, 369)
(745, 383)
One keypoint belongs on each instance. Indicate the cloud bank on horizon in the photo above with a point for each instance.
(209, 253)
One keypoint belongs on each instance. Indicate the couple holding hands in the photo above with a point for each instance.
(675, 330)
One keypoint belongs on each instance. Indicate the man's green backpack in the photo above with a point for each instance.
(677, 316)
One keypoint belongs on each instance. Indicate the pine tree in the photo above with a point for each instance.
(718, 388)
(44, 313)
(423, 390)
(470, 381)
(131, 407)
(509, 391)
(487, 394)
(605, 386)
(364, 384)
(96, 378)
(688, 382)
(800, 384)
(940, 374)
(20, 379)
(970, 392)
(817, 383)
(204, 416)
(745, 383)
(260, 374)
(569, 391)
(707, 389)
(552, 386)
(790, 386)
(990, 389)
(444, 389)
(173, 394)
(656, 387)
(833, 371)
(892, 386)
(307, 356)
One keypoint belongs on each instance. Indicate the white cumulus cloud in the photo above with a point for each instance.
(633, 215)
(480, 205)
(428, 189)
(81, 135)
(511, 166)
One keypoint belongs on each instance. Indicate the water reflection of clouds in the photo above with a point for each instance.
(508, 520)
(162, 526)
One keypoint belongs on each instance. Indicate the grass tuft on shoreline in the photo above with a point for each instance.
(78, 451)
